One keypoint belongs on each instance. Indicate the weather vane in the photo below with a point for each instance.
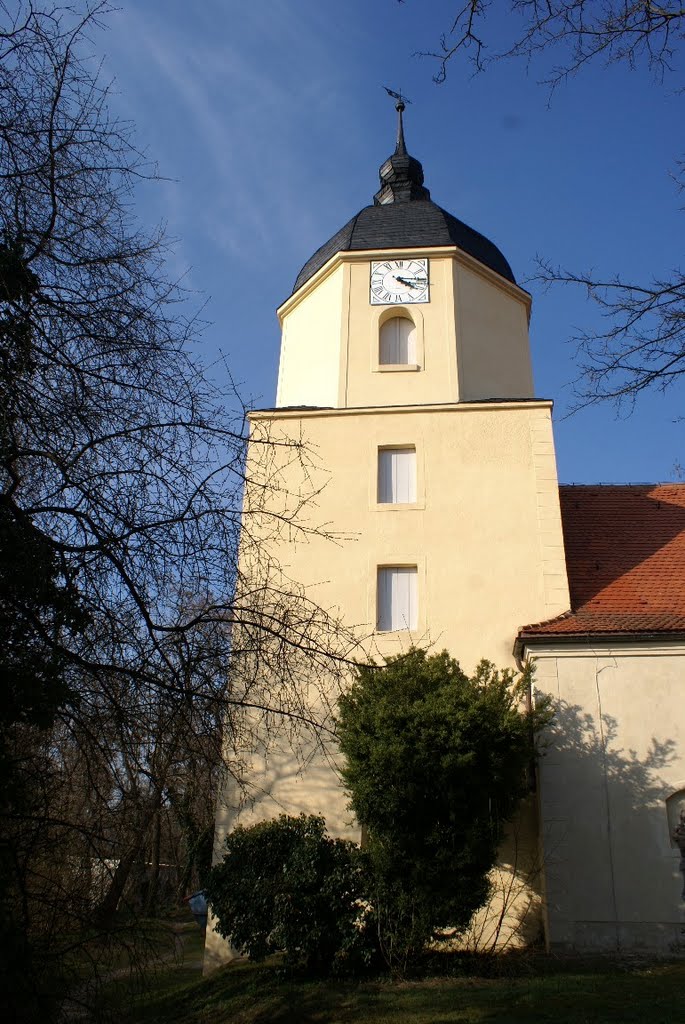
(401, 100)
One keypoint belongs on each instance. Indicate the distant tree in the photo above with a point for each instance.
(122, 469)
(643, 344)
(435, 765)
(36, 607)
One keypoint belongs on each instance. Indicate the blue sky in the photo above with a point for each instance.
(269, 122)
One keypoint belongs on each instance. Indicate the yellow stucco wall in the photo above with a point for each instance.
(472, 337)
(485, 483)
(310, 345)
(492, 338)
(616, 755)
(485, 479)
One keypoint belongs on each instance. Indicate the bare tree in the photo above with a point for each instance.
(643, 344)
(122, 470)
(579, 31)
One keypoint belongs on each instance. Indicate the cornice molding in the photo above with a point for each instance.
(306, 412)
(617, 646)
(365, 255)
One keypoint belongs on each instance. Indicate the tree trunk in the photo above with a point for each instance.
(107, 908)
(153, 876)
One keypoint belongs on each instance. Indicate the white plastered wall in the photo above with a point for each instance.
(616, 754)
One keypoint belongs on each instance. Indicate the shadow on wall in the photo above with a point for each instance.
(511, 917)
(286, 774)
(611, 870)
(608, 855)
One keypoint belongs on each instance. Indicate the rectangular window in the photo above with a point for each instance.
(397, 602)
(396, 476)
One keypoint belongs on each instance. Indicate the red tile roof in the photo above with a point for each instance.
(625, 557)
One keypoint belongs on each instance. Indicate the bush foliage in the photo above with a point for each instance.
(286, 885)
(436, 763)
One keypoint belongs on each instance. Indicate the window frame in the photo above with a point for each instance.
(387, 450)
(413, 626)
(375, 445)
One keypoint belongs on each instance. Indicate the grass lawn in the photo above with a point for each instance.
(541, 991)
(170, 960)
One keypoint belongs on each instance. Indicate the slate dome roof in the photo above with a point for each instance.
(403, 216)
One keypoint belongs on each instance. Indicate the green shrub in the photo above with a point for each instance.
(286, 885)
(436, 763)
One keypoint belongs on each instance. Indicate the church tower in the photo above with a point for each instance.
(405, 359)
(405, 367)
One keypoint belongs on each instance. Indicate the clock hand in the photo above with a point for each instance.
(416, 283)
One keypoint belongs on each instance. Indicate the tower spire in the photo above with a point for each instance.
(401, 175)
(400, 148)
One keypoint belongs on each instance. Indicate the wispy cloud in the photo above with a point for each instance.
(231, 102)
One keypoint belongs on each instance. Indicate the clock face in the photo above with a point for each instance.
(397, 282)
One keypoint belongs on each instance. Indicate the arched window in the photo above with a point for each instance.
(397, 342)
